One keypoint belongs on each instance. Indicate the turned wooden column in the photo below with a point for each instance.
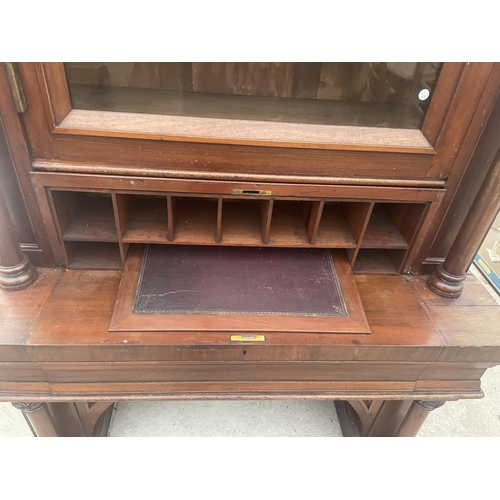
(39, 418)
(67, 419)
(447, 280)
(414, 419)
(16, 271)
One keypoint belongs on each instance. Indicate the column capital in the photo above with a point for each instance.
(28, 407)
(429, 405)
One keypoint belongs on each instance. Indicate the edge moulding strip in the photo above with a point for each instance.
(53, 166)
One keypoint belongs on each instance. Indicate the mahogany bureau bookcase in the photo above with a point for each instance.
(246, 231)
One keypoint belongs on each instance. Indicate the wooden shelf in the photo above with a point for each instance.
(93, 221)
(241, 222)
(195, 221)
(147, 221)
(374, 261)
(288, 226)
(381, 232)
(333, 231)
(91, 255)
(161, 218)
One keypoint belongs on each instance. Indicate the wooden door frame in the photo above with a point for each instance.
(74, 139)
(66, 120)
(40, 253)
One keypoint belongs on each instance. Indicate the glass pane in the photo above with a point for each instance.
(393, 95)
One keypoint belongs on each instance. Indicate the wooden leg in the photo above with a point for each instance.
(418, 412)
(39, 418)
(65, 419)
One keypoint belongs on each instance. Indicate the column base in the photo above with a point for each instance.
(445, 284)
(18, 277)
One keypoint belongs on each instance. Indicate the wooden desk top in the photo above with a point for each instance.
(55, 344)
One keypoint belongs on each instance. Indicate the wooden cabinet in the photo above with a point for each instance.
(140, 211)
(368, 160)
(98, 128)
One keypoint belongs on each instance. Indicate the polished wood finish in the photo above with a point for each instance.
(413, 349)
(80, 419)
(462, 164)
(419, 344)
(16, 271)
(10, 190)
(165, 211)
(75, 168)
(60, 101)
(40, 251)
(150, 185)
(39, 418)
(416, 416)
(126, 319)
(443, 95)
(449, 277)
(380, 197)
(372, 418)
(252, 133)
(242, 159)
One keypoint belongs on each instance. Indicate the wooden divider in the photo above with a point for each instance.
(102, 225)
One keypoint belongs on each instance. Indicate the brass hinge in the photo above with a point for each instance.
(16, 88)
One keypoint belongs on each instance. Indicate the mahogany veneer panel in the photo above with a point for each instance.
(25, 371)
(19, 310)
(469, 322)
(331, 390)
(220, 349)
(396, 317)
(75, 355)
(233, 371)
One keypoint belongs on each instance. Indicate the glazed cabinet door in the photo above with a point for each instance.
(375, 123)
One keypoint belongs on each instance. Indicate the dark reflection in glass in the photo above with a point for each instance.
(394, 95)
